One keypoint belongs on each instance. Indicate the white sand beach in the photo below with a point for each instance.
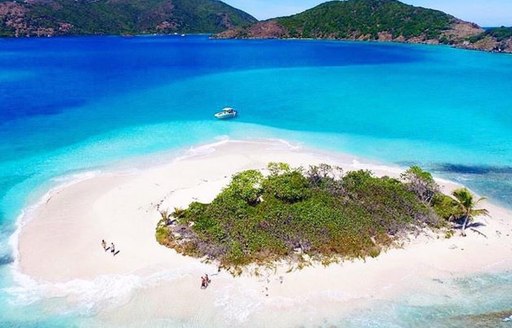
(60, 253)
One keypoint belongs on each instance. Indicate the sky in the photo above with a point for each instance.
(485, 13)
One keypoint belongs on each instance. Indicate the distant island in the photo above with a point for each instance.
(320, 214)
(364, 20)
(121, 17)
(377, 20)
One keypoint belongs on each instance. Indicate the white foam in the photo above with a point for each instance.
(235, 308)
(206, 149)
(88, 296)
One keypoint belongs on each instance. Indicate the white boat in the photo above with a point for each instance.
(226, 113)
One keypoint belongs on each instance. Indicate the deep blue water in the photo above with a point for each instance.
(70, 105)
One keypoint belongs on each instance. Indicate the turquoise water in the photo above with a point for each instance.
(79, 104)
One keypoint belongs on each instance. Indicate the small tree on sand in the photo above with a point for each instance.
(467, 207)
(421, 183)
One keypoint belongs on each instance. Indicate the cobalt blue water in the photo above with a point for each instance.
(69, 105)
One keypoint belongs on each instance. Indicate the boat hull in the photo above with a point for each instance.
(225, 116)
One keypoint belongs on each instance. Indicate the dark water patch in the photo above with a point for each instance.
(485, 320)
(27, 107)
(6, 259)
(472, 169)
(496, 187)
(406, 163)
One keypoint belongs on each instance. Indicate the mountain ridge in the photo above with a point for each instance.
(362, 20)
(373, 20)
(97, 17)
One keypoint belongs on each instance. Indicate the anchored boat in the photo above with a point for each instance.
(226, 113)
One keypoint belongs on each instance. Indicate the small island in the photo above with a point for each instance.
(320, 214)
(281, 240)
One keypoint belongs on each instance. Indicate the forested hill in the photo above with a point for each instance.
(64, 17)
(384, 20)
(495, 39)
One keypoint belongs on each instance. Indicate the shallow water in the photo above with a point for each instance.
(69, 105)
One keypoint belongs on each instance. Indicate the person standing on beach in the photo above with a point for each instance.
(207, 279)
(104, 244)
(112, 249)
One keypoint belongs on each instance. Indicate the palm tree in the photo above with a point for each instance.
(466, 207)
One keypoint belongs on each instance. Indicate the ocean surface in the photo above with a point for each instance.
(74, 105)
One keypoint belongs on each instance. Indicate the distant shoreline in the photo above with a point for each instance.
(211, 37)
(461, 47)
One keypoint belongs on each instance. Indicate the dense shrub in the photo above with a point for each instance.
(290, 212)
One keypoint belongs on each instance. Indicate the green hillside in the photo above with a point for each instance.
(385, 20)
(60, 17)
(366, 18)
(497, 39)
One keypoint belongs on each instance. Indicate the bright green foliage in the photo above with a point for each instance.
(276, 168)
(161, 235)
(416, 172)
(128, 16)
(319, 212)
(445, 206)
(246, 185)
(500, 33)
(420, 182)
(466, 205)
(355, 18)
(289, 186)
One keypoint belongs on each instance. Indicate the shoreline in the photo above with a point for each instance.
(392, 42)
(122, 207)
(211, 36)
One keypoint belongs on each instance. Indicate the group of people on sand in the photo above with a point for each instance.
(112, 247)
(205, 281)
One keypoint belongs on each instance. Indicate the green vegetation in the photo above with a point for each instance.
(421, 183)
(57, 17)
(465, 203)
(499, 34)
(320, 213)
(366, 18)
(382, 20)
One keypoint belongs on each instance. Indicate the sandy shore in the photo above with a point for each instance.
(60, 253)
